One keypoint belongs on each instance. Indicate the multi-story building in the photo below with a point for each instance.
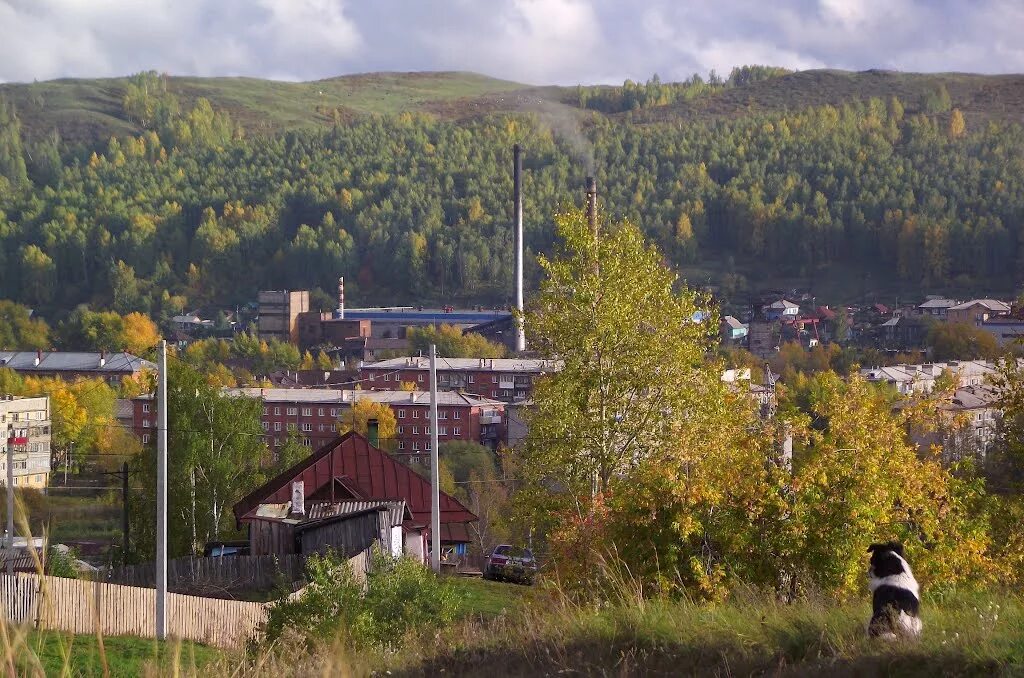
(507, 379)
(279, 314)
(25, 424)
(977, 311)
(910, 379)
(74, 364)
(314, 413)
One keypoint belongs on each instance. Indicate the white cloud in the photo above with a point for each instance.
(537, 41)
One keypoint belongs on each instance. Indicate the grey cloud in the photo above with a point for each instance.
(535, 41)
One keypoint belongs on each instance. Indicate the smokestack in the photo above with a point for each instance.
(517, 199)
(341, 297)
(592, 205)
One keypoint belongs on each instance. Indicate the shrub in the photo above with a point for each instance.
(401, 597)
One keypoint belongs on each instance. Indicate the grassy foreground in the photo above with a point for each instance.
(507, 630)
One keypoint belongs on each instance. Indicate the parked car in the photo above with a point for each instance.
(511, 563)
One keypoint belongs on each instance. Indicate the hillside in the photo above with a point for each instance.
(90, 110)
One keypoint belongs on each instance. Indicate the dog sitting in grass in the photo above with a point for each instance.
(896, 597)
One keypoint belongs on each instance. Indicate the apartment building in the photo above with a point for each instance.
(26, 431)
(314, 413)
(506, 379)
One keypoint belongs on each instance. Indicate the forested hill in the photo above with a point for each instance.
(157, 194)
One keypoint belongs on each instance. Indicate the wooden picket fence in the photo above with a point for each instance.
(89, 607)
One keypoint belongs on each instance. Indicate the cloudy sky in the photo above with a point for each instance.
(533, 41)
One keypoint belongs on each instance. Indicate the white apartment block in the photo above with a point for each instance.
(25, 425)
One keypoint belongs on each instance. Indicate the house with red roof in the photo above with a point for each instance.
(346, 470)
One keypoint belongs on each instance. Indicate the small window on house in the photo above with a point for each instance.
(292, 411)
(307, 442)
(426, 445)
(334, 411)
(277, 411)
(415, 430)
(291, 426)
(442, 430)
(266, 411)
(307, 427)
(145, 423)
(401, 414)
(387, 377)
(415, 414)
(415, 445)
(419, 378)
(443, 414)
(277, 426)
(145, 407)
(426, 430)
(145, 438)
(456, 414)
(401, 444)
(277, 442)
(307, 411)
(320, 412)
(266, 425)
(401, 430)
(456, 431)
(471, 377)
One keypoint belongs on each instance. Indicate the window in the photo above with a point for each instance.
(494, 394)
(471, 378)
(145, 407)
(442, 414)
(277, 426)
(145, 438)
(320, 412)
(266, 411)
(426, 430)
(415, 430)
(373, 377)
(291, 426)
(457, 414)
(307, 428)
(307, 411)
(145, 423)
(426, 445)
(39, 479)
(401, 444)
(415, 446)
(307, 442)
(442, 430)
(419, 378)
(323, 427)
(266, 425)
(401, 414)
(456, 431)
(401, 430)
(334, 411)
(277, 411)
(415, 414)
(292, 411)
(387, 377)
(494, 379)
(277, 442)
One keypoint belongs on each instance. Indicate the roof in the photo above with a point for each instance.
(826, 313)
(733, 323)
(990, 304)
(782, 304)
(374, 474)
(424, 316)
(939, 303)
(73, 361)
(529, 365)
(973, 398)
(398, 512)
(348, 396)
(881, 308)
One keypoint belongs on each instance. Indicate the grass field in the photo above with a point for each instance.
(53, 654)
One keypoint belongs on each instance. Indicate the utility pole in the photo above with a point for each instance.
(435, 482)
(10, 499)
(161, 496)
(124, 500)
(67, 461)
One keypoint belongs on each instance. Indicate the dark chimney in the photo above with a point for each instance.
(373, 432)
(592, 205)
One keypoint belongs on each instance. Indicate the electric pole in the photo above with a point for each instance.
(435, 482)
(10, 500)
(124, 499)
(161, 495)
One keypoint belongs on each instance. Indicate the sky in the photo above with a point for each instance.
(533, 41)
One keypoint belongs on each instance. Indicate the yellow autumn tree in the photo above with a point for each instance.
(140, 334)
(957, 125)
(356, 418)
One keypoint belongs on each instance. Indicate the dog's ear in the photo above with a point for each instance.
(875, 547)
(896, 548)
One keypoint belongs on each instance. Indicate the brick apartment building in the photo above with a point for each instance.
(506, 379)
(25, 424)
(314, 414)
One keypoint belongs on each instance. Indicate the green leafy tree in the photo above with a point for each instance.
(215, 446)
(961, 341)
(20, 330)
(451, 342)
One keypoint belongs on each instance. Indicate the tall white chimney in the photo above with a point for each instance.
(517, 198)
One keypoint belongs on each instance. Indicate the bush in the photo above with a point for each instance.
(401, 597)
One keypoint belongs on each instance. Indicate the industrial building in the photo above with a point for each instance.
(507, 379)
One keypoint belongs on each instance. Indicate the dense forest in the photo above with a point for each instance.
(198, 208)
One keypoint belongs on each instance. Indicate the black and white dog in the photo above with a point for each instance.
(896, 597)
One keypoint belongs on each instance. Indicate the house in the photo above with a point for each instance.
(901, 332)
(733, 330)
(977, 311)
(190, 323)
(349, 468)
(910, 379)
(782, 309)
(936, 307)
(71, 365)
(507, 379)
(1005, 329)
(26, 432)
(968, 424)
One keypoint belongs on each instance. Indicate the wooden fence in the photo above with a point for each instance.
(213, 576)
(89, 607)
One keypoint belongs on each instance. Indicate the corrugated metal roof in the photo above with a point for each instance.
(336, 396)
(325, 509)
(527, 365)
(73, 361)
